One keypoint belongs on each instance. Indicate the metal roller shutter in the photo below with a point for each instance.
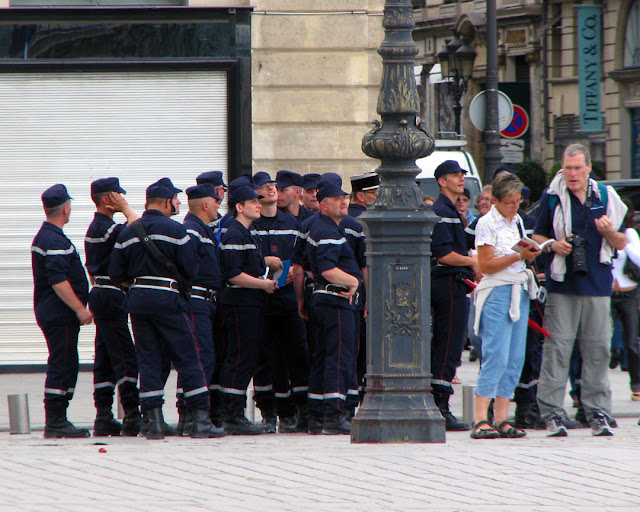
(76, 127)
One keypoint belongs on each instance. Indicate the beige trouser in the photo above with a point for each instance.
(587, 320)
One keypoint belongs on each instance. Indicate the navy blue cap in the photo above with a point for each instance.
(243, 181)
(505, 168)
(160, 191)
(166, 182)
(466, 193)
(203, 190)
(237, 195)
(288, 179)
(366, 181)
(330, 177)
(310, 181)
(214, 177)
(55, 196)
(448, 167)
(526, 192)
(260, 179)
(330, 189)
(106, 185)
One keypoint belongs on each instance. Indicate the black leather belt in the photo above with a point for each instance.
(103, 281)
(331, 288)
(200, 292)
(157, 282)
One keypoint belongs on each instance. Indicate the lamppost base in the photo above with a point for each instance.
(398, 418)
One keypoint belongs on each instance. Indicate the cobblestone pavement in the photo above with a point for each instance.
(315, 473)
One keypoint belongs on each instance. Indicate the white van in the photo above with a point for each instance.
(448, 149)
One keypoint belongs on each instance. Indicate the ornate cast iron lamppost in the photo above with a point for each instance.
(398, 405)
(456, 61)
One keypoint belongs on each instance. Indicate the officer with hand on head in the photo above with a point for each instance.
(60, 303)
(115, 359)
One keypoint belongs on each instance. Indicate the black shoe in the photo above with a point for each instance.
(580, 420)
(201, 426)
(599, 425)
(269, 422)
(616, 357)
(156, 424)
(64, 428)
(556, 427)
(335, 424)
(131, 423)
(236, 424)
(288, 425)
(185, 423)
(106, 425)
(473, 355)
(314, 426)
(528, 416)
(452, 424)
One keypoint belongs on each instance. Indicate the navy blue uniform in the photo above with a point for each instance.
(283, 366)
(241, 315)
(115, 361)
(355, 209)
(332, 318)
(161, 322)
(303, 214)
(203, 296)
(448, 297)
(54, 259)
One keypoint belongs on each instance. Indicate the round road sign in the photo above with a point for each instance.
(519, 123)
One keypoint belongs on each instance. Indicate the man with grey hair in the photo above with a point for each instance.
(583, 218)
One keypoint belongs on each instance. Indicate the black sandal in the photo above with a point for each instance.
(484, 433)
(511, 432)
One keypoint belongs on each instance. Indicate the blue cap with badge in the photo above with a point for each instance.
(55, 196)
(103, 185)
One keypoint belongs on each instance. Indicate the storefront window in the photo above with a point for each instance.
(115, 41)
(632, 38)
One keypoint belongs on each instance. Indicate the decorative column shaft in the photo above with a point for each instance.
(398, 405)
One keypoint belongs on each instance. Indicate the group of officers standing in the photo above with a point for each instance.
(273, 291)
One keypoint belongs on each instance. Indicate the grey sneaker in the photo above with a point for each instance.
(600, 426)
(555, 426)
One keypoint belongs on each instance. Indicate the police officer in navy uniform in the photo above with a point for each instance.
(159, 312)
(283, 364)
(203, 209)
(289, 185)
(451, 265)
(60, 303)
(115, 361)
(337, 278)
(241, 309)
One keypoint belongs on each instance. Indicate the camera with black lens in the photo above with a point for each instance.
(579, 255)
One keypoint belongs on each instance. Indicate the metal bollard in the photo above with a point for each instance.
(19, 414)
(469, 404)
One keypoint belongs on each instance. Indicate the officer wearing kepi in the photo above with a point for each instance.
(115, 361)
(450, 266)
(60, 302)
(203, 208)
(157, 302)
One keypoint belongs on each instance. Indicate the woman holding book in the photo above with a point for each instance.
(502, 306)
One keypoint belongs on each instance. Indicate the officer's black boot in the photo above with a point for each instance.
(144, 425)
(303, 417)
(314, 425)
(334, 424)
(156, 423)
(452, 423)
(185, 416)
(106, 424)
(57, 425)
(132, 422)
(236, 424)
(202, 427)
(269, 420)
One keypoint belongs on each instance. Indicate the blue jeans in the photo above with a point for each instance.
(503, 343)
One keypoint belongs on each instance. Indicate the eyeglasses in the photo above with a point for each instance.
(464, 199)
(511, 203)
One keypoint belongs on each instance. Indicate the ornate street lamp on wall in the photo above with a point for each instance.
(456, 61)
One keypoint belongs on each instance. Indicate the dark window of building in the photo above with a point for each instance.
(522, 69)
(632, 38)
(118, 40)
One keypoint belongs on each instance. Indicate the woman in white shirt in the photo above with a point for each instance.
(624, 300)
(502, 306)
